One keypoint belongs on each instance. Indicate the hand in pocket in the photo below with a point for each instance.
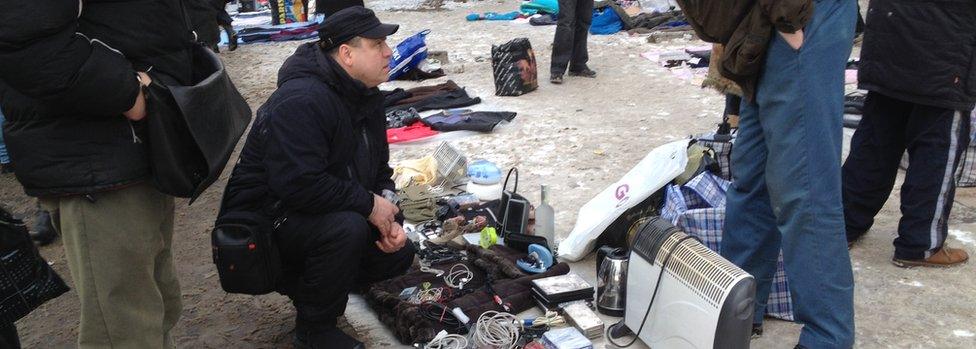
(795, 40)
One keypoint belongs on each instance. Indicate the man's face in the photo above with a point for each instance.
(369, 61)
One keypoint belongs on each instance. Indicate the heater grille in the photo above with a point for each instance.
(691, 263)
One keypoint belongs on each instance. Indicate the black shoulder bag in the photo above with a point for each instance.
(26, 280)
(193, 129)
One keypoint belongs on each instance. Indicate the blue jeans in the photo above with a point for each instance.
(4, 158)
(786, 190)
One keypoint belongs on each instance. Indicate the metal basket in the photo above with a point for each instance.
(451, 164)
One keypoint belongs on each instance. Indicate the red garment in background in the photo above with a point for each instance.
(413, 132)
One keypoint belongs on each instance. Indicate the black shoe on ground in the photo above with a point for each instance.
(556, 79)
(757, 331)
(586, 73)
(799, 347)
(331, 338)
(43, 232)
(7, 168)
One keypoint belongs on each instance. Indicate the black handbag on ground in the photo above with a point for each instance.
(26, 280)
(193, 129)
(246, 254)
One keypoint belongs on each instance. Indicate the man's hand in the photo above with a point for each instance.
(795, 40)
(393, 241)
(138, 110)
(383, 215)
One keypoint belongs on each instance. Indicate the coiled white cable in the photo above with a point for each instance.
(497, 330)
(458, 276)
(448, 341)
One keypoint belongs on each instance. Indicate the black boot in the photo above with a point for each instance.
(231, 37)
(43, 232)
(315, 328)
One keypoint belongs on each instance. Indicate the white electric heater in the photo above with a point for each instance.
(701, 301)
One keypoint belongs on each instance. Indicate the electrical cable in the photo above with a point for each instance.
(664, 266)
(458, 276)
(450, 341)
(497, 330)
(551, 318)
(439, 313)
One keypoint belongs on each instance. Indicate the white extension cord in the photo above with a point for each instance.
(497, 330)
(458, 276)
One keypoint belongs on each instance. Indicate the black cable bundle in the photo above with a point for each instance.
(439, 313)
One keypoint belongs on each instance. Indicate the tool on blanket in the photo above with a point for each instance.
(538, 260)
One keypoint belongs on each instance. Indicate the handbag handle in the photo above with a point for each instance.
(505, 186)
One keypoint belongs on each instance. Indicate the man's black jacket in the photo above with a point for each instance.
(67, 73)
(921, 51)
(318, 145)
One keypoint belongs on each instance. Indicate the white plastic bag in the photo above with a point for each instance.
(656, 170)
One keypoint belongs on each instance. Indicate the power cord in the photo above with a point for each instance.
(660, 275)
(439, 313)
(458, 276)
(447, 341)
(497, 330)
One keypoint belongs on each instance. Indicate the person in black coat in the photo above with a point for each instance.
(316, 162)
(71, 80)
(917, 62)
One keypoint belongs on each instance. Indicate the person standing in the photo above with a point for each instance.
(786, 189)
(914, 63)
(72, 76)
(569, 45)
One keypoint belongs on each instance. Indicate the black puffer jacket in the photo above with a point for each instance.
(921, 51)
(318, 144)
(67, 73)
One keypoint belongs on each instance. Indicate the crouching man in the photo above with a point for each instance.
(314, 161)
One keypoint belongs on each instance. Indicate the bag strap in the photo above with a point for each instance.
(192, 34)
(505, 186)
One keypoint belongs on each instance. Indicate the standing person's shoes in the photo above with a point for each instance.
(7, 168)
(231, 37)
(943, 258)
(585, 72)
(331, 338)
(556, 79)
(43, 232)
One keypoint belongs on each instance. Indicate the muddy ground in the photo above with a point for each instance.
(576, 138)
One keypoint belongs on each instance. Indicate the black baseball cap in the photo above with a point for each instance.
(351, 22)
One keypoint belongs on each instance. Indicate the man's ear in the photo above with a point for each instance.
(345, 54)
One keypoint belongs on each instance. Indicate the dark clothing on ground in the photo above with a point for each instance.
(328, 7)
(421, 75)
(572, 29)
(935, 139)
(446, 100)
(327, 255)
(921, 52)
(420, 93)
(65, 81)
(318, 145)
(466, 120)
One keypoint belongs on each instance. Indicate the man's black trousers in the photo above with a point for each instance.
(935, 139)
(328, 255)
(572, 28)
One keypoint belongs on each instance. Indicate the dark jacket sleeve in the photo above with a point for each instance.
(788, 16)
(42, 57)
(384, 177)
(297, 147)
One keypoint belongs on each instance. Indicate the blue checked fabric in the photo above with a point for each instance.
(698, 208)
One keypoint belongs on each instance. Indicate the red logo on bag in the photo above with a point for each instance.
(621, 194)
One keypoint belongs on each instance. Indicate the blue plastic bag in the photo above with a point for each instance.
(408, 54)
(605, 22)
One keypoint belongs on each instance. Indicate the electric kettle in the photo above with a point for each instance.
(611, 275)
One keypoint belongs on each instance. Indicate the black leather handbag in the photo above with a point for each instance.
(193, 129)
(26, 280)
